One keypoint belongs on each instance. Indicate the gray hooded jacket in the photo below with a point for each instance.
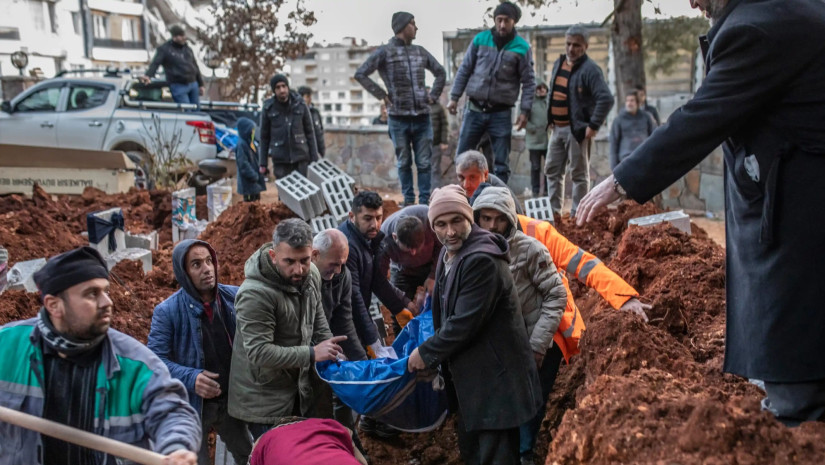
(539, 286)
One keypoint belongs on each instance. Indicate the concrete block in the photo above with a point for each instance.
(323, 169)
(338, 194)
(21, 275)
(300, 195)
(323, 222)
(142, 241)
(192, 230)
(183, 211)
(120, 236)
(539, 208)
(142, 255)
(378, 319)
(218, 198)
(679, 219)
(222, 454)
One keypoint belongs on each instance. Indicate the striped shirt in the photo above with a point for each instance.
(559, 108)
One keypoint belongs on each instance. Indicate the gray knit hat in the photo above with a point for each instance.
(400, 19)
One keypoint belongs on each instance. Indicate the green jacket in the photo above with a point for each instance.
(272, 357)
(536, 138)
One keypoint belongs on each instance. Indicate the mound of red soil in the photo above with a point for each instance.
(241, 230)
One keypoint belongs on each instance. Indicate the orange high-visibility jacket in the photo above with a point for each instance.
(582, 265)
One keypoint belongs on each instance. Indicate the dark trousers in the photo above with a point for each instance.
(413, 134)
(252, 198)
(793, 403)
(547, 377)
(232, 431)
(488, 447)
(536, 170)
(282, 170)
(408, 284)
(498, 126)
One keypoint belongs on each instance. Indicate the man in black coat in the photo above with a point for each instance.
(763, 97)
(480, 339)
(287, 133)
(317, 120)
(179, 65)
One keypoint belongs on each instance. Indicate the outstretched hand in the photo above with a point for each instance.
(634, 305)
(596, 200)
(329, 349)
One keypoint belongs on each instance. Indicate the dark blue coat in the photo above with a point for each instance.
(763, 96)
(250, 180)
(176, 336)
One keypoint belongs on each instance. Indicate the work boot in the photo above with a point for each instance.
(373, 427)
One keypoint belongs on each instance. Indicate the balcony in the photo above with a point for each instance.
(128, 7)
(115, 43)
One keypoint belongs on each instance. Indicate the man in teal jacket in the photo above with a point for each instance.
(67, 365)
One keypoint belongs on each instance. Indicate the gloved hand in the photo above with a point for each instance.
(403, 317)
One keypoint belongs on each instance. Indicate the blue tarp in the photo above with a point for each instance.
(226, 138)
(384, 389)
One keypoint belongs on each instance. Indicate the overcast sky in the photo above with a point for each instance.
(370, 19)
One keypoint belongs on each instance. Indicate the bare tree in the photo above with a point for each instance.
(254, 38)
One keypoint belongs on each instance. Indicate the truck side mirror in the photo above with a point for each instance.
(6, 106)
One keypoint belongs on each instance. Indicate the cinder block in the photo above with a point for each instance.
(300, 195)
(142, 255)
(338, 194)
(539, 208)
(21, 275)
(218, 199)
(183, 211)
(679, 219)
(142, 241)
(378, 319)
(323, 222)
(102, 245)
(323, 170)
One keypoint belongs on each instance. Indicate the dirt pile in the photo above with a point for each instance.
(239, 232)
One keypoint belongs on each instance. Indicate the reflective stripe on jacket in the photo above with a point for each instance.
(584, 266)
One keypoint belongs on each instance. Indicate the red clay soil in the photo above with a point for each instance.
(241, 230)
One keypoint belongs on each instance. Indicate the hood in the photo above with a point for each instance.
(179, 266)
(540, 82)
(246, 127)
(497, 198)
(259, 267)
(484, 241)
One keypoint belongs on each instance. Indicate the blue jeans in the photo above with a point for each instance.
(413, 134)
(186, 93)
(498, 126)
(547, 378)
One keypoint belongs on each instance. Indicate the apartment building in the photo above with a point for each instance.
(329, 71)
(116, 32)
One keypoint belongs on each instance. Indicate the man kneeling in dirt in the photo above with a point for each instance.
(282, 331)
(192, 332)
(480, 337)
(540, 291)
(67, 365)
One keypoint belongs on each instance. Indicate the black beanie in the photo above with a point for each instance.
(276, 79)
(400, 19)
(70, 268)
(508, 9)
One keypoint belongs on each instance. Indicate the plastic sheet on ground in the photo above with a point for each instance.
(385, 390)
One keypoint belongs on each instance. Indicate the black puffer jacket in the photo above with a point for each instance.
(178, 63)
(287, 133)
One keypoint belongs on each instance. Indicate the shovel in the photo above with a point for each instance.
(80, 437)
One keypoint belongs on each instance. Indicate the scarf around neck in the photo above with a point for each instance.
(61, 342)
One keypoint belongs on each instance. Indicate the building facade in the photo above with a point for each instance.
(329, 71)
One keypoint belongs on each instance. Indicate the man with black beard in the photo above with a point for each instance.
(496, 64)
(281, 332)
(67, 365)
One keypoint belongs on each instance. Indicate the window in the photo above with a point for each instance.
(337, 107)
(101, 26)
(328, 120)
(297, 70)
(327, 107)
(76, 22)
(42, 100)
(342, 95)
(9, 33)
(38, 17)
(325, 95)
(52, 17)
(323, 56)
(85, 97)
(130, 30)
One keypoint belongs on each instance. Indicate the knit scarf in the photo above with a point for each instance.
(61, 342)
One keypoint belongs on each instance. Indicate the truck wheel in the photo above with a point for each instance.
(143, 180)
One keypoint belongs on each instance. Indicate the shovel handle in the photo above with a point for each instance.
(80, 437)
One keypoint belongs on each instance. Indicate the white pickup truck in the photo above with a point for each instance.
(111, 113)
